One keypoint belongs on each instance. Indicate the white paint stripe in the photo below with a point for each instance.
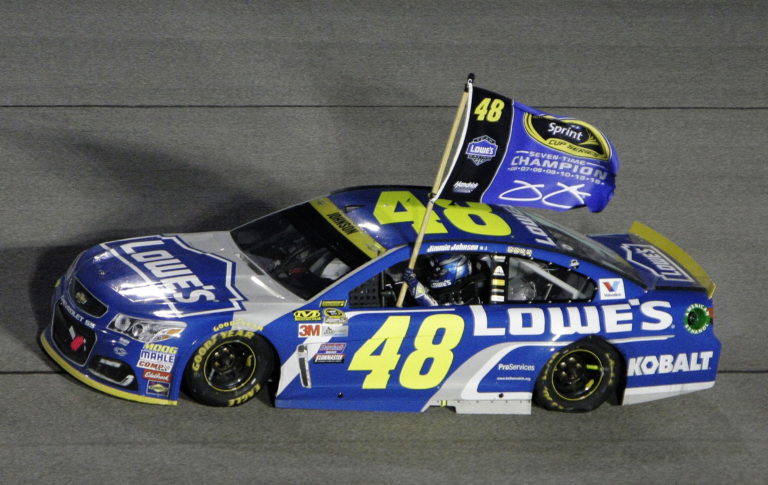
(635, 395)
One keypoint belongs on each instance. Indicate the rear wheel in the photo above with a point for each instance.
(229, 369)
(579, 377)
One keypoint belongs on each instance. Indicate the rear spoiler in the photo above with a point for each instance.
(687, 262)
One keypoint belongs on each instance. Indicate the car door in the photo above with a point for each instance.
(389, 358)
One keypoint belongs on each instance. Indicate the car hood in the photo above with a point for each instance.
(175, 276)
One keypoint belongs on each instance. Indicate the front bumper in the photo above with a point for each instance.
(86, 352)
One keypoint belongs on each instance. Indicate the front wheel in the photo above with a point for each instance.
(579, 377)
(229, 369)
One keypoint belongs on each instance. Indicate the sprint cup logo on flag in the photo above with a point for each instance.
(512, 154)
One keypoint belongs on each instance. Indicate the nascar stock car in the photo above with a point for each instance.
(302, 303)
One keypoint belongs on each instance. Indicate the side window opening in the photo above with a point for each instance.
(381, 290)
(486, 279)
(530, 280)
(450, 278)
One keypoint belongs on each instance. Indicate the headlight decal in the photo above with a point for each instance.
(144, 330)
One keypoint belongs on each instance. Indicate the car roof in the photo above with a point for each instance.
(391, 215)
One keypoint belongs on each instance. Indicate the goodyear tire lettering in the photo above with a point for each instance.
(229, 368)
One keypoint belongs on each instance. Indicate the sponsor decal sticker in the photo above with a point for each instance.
(157, 357)
(156, 388)
(153, 375)
(307, 316)
(316, 330)
(334, 316)
(697, 318)
(333, 303)
(669, 364)
(120, 351)
(611, 288)
(330, 353)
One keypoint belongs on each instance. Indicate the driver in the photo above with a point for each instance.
(447, 282)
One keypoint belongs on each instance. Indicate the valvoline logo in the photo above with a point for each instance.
(163, 269)
(611, 288)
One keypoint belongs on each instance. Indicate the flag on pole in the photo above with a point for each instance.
(512, 154)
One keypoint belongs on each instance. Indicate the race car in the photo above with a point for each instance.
(302, 304)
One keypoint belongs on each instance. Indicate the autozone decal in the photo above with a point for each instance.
(584, 320)
(667, 363)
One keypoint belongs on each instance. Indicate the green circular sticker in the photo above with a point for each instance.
(697, 318)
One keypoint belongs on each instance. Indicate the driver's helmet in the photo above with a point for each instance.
(447, 269)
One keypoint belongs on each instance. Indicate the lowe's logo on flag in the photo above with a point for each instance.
(516, 155)
(482, 149)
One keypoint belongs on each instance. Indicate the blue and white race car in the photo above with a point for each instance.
(302, 303)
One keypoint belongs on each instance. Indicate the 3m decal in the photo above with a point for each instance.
(325, 330)
(425, 367)
(669, 364)
(309, 330)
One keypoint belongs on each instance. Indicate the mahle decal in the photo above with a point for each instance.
(573, 137)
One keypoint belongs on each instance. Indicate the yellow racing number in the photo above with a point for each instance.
(471, 217)
(475, 218)
(389, 337)
(425, 367)
(489, 110)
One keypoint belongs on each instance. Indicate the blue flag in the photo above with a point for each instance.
(512, 154)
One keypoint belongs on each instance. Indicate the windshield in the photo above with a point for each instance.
(298, 249)
(586, 248)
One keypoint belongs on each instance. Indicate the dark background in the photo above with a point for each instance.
(120, 119)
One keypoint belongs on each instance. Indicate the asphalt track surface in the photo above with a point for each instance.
(128, 118)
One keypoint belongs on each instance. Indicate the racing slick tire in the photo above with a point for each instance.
(579, 377)
(229, 369)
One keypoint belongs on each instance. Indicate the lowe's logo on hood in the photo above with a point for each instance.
(167, 271)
